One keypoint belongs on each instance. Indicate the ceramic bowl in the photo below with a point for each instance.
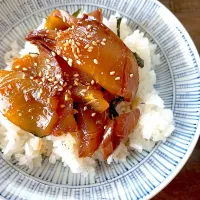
(178, 81)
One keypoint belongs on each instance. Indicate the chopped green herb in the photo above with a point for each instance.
(119, 20)
(139, 60)
(75, 14)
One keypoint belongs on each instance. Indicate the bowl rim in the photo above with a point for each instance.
(193, 143)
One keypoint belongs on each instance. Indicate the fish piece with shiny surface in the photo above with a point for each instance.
(43, 66)
(94, 49)
(92, 97)
(91, 129)
(117, 130)
(24, 102)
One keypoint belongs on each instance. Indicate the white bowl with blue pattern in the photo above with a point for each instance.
(178, 81)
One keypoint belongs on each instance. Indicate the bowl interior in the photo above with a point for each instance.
(177, 83)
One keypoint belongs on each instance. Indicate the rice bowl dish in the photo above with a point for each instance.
(155, 122)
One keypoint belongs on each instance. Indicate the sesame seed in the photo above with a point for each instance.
(40, 83)
(60, 89)
(70, 62)
(104, 39)
(80, 38)
(24, 69)
(43, 79)
(69, 92)
(39, 95)
(66, 97)
(53, 53)
(40, 74)
(69, 59)
(64, 20)
(78, 44)
(112, 73)
(55, 29)
(95, 61)
(35, 64)
(73, 42)
(55, 82)
(48, 66)
(76, 75)
(117, 78)
(89, 36)
(70, 41)
(93, 114)
(24, 76)
(58, 52)
(65, 58)
(101, 72)
(92, 82)
(104, 127)
(41, 90)
(72, 27)
(20, 114)
(31, 77)
(47, 74)
(17, 67)
(62, 106)
(89, 27)
(75, 56)
(131, 75)
(47, 60)
(48, 100)
(98, 41)
(86, 46)
(58, 76)
(53, 79)
(78, 50)
(78, 62)
(75, 82)
(94, 43)
(61, 82)
(65, 48)
(85, 108)
(103, 43)
(89, 50)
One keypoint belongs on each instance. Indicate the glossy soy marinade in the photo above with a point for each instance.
(70, 87)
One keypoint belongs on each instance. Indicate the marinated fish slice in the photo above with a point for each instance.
(97, 14)
(92, 97)
(74, 76)
(117, 130)
(65, 111)
(43, 67)
(91, 129)
(92, 48)
(25, 104)
(60, 20)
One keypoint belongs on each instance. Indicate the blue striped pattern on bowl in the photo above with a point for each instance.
(178, 82)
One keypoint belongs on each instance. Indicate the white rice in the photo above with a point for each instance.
(155, 123)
